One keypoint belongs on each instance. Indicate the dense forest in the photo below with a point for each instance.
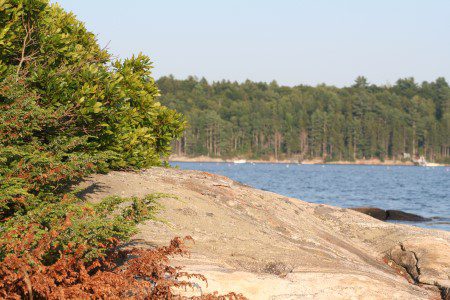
(266, 120)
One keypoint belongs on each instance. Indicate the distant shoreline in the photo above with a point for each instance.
(368, 162)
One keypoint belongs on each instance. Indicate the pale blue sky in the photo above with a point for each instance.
(293, 42)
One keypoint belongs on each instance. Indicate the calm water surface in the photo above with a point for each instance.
(420, 190)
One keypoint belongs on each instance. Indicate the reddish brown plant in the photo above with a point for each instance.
(120, 274)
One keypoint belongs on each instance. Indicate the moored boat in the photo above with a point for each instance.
(240, 161)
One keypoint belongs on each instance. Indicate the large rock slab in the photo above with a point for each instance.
(269, 246)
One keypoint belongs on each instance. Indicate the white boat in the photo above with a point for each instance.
(240, 161)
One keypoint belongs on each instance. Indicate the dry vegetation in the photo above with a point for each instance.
(119, 274)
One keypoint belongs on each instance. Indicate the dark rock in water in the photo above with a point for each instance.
(374, 212)
(404, 216)
(387, 215)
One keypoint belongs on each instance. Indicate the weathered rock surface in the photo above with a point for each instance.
(272, 247)
(390, 214)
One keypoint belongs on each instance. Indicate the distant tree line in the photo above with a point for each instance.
(266, 120)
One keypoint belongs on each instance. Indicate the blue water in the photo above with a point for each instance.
(420, 190)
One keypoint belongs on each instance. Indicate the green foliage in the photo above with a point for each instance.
(112, 103)
(36, 160)
(67, 109)
(97, 227)
(260, 120)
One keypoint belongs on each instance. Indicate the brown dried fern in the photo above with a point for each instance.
(120, 274)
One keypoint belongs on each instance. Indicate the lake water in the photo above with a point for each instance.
(420, 190)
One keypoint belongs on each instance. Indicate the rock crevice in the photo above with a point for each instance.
(408, 260)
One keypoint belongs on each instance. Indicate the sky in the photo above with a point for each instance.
(290, 41)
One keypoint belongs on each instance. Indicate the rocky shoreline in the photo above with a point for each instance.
(268, 246)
